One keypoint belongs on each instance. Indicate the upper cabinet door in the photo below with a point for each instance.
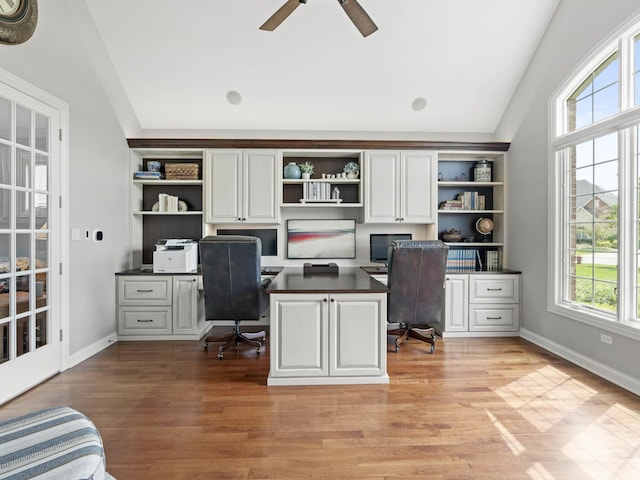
(381, 187)
(222, 186)
(261, 182)
(400, 187)
(417, 190)
(242, 186)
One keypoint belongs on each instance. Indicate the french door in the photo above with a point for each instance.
(30, 246)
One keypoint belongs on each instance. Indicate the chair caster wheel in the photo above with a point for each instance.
(258, 351)
(397, 348)
(206, 346)
(220, 355)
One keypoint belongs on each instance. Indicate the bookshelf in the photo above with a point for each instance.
(463, 201)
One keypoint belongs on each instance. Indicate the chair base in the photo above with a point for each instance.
(403, 331)
(256, 339)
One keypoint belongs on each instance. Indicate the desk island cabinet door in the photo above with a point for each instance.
(322, 338)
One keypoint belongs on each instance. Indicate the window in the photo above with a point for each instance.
(595, 256)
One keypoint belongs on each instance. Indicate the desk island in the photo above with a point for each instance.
(327, 329)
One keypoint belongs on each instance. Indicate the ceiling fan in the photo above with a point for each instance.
(355, 12)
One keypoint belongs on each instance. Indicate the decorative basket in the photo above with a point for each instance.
(181, 171)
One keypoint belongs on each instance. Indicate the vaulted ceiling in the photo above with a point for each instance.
(205, 65)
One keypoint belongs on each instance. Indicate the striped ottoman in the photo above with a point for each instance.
(55, 443)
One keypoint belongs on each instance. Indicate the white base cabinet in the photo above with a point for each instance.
(481, 305)
(160, 307)
(324, 339)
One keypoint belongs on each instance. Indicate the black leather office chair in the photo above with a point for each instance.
(233, 289)
(416, 289)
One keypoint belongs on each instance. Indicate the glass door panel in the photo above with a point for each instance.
(29, 312)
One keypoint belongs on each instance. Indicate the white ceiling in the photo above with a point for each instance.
(178, 60)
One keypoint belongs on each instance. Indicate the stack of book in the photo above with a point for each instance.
(317, 192)
(462, 259)
(167, 203)
(464, 201)
(494, 260)
(147, 175)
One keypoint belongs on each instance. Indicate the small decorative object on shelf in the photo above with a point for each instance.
(153, 165)
(352, 169)
(307, 170)
(452, 235)
(335, 195)
(292, 171)
(482, 171)
(181, 171)
(484, 226)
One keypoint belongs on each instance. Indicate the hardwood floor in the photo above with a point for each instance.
(477, 409)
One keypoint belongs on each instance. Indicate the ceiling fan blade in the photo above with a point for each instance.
(281, 14)
(359, 17)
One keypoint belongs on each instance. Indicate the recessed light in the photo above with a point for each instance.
(233, 97)
(418, 104)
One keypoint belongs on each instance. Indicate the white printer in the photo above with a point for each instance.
(178, 255)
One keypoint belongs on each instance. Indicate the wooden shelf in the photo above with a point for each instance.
(188, 212)
(167, 182)
(486, 212)
(454, 183)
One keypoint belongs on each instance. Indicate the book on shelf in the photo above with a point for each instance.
(167, 203)
(465, 201)
(147, 175)
(494, 260)
(463, 260)
(316, 191)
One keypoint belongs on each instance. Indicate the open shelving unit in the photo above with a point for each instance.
(330, 163)
(455, 176)
(147, 226)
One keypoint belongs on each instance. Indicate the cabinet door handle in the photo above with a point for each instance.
(324, 300)
(141, 320)
(494, 318)
(144, 291)
(494, 289)
(332, 300)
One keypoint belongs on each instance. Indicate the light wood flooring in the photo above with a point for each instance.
(497, 408)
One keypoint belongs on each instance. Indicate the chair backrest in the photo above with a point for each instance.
(416, 281)
(231, 278)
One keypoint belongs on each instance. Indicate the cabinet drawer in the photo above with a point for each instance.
(144, 320)
(144, 290)
(494, 289)
(493, 318)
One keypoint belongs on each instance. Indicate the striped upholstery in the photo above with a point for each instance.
(56, 443)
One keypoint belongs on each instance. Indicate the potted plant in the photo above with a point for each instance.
(352, 169)
(307, 170)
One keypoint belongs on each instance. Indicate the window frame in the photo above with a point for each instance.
(627, 124)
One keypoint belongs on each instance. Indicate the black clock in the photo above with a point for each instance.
(18, 20)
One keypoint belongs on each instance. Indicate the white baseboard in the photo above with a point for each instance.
(92, 349)
(614, 376)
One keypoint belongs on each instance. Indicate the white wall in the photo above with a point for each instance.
(54, 60)
(577, 28)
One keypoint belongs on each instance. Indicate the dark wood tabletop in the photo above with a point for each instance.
(348, 280)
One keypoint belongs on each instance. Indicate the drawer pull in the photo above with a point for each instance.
(494, 289)
(494, 318)
(141, 320)
(145, 291)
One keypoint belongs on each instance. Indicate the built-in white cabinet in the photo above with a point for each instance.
(160, 307)
(481, 304)
(321, 338)
(242, 186)
(400, 186)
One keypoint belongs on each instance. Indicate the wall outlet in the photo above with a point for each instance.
(606, 339)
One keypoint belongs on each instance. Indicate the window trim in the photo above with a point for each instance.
(625, 123)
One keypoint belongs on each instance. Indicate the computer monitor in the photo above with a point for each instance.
(321, 239)
(379, 245)
(268, 237)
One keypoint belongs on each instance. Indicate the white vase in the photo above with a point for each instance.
(306, 175)
(352, 175)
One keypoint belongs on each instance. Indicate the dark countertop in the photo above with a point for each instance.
(349, 280)
(382, 270)
(149, 271)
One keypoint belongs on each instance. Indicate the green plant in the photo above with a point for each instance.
(306, 167)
